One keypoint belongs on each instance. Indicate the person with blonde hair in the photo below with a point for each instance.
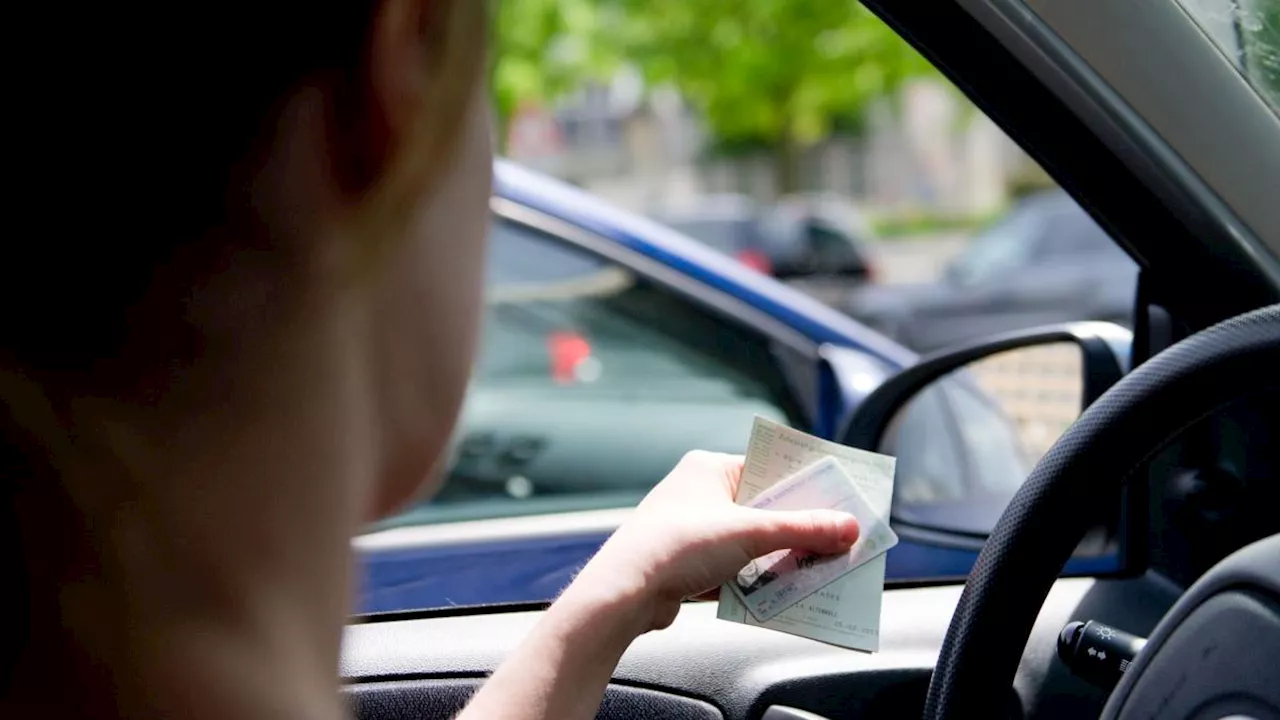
(241, 293)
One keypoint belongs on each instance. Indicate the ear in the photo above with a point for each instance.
(376, 104)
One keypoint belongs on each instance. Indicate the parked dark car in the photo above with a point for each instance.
(1045, 261)
(797, 238)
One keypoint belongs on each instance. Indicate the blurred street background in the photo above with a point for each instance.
(805, 139)
(655, 105)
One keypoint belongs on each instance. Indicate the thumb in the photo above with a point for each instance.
(821, 531)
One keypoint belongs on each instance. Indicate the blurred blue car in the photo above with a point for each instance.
(613, 344)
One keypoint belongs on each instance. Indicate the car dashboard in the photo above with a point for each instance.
(705, 668)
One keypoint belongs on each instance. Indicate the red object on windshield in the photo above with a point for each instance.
(755, 260)
(566, 349)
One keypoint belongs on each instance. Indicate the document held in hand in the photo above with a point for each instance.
(845, 612)
(770, 584)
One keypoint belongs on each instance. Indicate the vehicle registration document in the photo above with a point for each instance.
(772, 583)
(846, 611)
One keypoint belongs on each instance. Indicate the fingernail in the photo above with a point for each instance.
(846, 525)
(848, 528)
(849, 533)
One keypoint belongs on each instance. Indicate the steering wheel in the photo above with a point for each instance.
(1238, 600)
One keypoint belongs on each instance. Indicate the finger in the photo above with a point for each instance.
(712, 594)
(726, 467)
(733, 473)
(822, 531)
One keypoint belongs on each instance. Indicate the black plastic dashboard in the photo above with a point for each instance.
(704, 668)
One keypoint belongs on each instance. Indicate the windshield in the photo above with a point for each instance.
(1247, 32)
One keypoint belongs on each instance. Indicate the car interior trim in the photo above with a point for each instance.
(1253, 570)
(782, 712)
(445, 697)
(745, 670)
(657, 272)
(1156, 55)
(590, 522)
(1084, 52)
(447, 611)
(913, 622)
(932, 536)
(1126, 561)
(1116, 437)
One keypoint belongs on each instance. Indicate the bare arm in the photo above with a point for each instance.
(685, 538)
(563, 666)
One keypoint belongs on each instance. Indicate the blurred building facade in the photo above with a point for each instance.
(924, 150)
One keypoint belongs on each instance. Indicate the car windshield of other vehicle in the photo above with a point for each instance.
(831, 245)
(1071, 232)
(1001, 247)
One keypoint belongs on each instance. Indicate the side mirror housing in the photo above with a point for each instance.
(1104, 347)
(968, 424)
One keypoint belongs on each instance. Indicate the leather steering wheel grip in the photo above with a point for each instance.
(1059, 502)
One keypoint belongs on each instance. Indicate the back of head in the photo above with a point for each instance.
(133, 131)
(136, 132)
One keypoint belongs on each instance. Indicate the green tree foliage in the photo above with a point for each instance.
(543, 49)
(771, 73)
(770, 69)
(1258, 22)
(777, 74)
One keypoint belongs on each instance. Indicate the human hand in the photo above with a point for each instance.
(688, 536)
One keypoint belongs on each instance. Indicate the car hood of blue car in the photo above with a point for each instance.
(818, 322)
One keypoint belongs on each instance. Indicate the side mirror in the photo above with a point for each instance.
(968, 424)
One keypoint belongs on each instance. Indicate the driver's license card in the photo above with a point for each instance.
(772, 583)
